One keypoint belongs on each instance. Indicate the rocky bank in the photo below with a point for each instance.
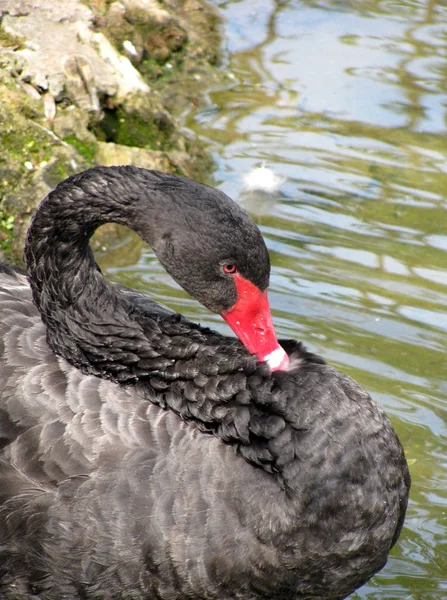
(96, 82)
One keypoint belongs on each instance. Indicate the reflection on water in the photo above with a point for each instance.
(346, 102)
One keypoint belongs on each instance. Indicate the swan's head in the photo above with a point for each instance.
(214, 250)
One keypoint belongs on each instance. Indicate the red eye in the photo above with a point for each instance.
(231, 268)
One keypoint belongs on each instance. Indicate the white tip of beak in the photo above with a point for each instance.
(277, 360)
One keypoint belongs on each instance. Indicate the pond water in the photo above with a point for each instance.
(347, 103)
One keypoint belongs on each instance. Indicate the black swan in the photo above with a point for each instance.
(146, 457)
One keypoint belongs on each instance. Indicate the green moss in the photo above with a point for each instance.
(151, 69)
(22, 144)
(58, 171)
(134, 128)
(86, 150)
(6, 231)
(32, 160)
(7, 40)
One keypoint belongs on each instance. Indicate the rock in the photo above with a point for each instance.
(61, 53)
(85, 82)
(116, 154)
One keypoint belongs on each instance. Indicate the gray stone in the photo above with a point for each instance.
(61, 53)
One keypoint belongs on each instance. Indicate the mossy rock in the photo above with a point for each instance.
(138, 121)
(32, 161)
(176, 48)
(46, 136)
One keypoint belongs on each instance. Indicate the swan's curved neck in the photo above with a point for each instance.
(74, 299)
(57, 251)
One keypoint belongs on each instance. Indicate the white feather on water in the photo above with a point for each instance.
(263, 179)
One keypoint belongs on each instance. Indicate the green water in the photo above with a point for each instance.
(347, 102)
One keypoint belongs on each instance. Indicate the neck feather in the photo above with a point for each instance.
(82, 311)
(57, 245)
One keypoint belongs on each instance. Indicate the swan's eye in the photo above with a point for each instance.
(229, 268)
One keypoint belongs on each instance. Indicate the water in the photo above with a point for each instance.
(346, 101)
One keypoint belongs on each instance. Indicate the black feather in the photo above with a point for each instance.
(143, 456)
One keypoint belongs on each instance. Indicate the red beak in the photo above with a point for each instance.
(251, 321)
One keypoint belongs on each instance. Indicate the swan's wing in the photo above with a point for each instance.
(53, 420)
(16, 313)
(93, 477)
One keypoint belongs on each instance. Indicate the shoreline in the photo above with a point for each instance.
(97, 82)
